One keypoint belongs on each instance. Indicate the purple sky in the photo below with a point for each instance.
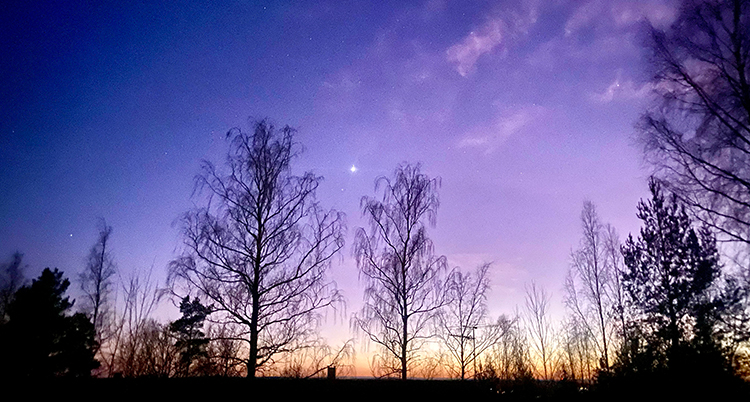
(524, 108)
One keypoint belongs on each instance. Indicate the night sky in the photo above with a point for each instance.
(524, 108)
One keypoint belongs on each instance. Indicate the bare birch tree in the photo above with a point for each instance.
(589, 283)
(404, 290)
(259, 250)
(697, 134)
(97, 282)
(465, 328)
(539, 326)
(135, 332)
(509, 358)
(578, 349)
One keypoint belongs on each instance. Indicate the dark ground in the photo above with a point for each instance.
(355, 390)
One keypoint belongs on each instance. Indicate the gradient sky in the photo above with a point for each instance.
(524, 108)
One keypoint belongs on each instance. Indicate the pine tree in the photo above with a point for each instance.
(40, 340)
(671, 274)
(191, 341)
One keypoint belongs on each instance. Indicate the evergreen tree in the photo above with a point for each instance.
(671, 279)
(40, 340)
(191, 341)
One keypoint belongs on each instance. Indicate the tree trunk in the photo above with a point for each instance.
(403, 349)
(252, 360)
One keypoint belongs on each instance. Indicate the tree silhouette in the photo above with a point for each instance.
(40, 339)
(509, 357)
(464, 326)
(578, 349)
(136, 338)
(96, 283)
(403, 276)
(698, 134)
(671, 273)
(538, 325)
(191, 341)
(11, 279)
(589, 284)
(259, 249)
(315, 360)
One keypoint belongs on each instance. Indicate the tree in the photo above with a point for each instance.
(41, 340)
(149, 352)
(315, 360)
(224, 352)
(578, 349)
(589, 284)
(11, 279)
(134, 333)
(191, 341)
(670, 276)
(396, 260)
(260, 248)
(538, 325)
(698, 134)
(465, 328)
(96, 282)
(613, 249)
(509, 357)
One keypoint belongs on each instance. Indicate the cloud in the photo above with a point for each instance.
(508, 124)
(621, 14)
(495, 33)
(345, 81)
(583, 16)
(466, 53)
(659, 13)
(621, 89)
(599, 35)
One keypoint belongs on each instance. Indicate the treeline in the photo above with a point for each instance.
(44, 336)
(670, 305)
(658, 304)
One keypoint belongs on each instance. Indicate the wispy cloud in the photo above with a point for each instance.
(583, 16)
(659, 13)
(621, 14)
(466, 53)
(508, 124)
(622, 89)
(496, 33)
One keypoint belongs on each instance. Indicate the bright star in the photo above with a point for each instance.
(353, 169)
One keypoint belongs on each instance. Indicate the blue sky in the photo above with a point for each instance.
(524, 108)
